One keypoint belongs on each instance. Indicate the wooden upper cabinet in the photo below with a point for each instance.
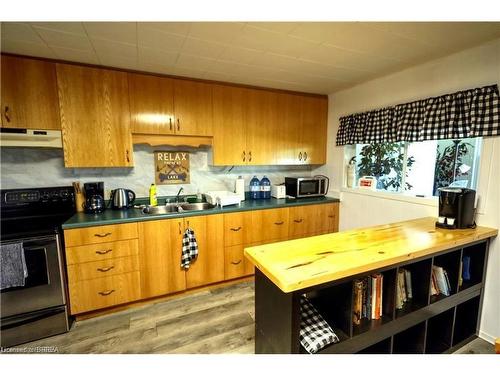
(151, 104)
(29, 94)
(313, 130)
(95, 117)
(289, 118)
(193, 108)
(261, 120)
(229, 145)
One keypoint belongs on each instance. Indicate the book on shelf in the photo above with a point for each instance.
(442, 284)
(367, 298)
(358, 302)
(460, 278)
(409, 291)
(404, 291)
(434, 290)
(466, 268)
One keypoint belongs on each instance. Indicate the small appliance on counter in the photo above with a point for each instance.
(303, 187)
(222, 198)
(94, 197)
(122, 199)
(278, 191)
(456, 208)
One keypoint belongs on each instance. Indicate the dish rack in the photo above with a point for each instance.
(222, 198)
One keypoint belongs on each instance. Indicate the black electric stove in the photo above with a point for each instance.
(33, 217)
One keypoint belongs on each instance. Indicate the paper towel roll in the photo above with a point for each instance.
(239, 187)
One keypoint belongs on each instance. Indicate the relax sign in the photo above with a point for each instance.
(171, 167)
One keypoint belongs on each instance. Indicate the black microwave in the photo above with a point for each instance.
(302, 187)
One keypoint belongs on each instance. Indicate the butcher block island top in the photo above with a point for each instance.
(307, 262)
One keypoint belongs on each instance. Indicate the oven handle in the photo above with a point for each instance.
(30, 318)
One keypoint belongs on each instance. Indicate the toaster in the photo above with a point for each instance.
(278, 191)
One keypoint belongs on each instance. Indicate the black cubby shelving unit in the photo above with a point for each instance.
(425, 324)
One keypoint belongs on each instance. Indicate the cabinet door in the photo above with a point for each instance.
(151, 104)
(229, 126)
(327, 218)
(261, 121)
(209, 265)
(29, 94)
(314, 130)
(303, 221)
(95, 117)
(289, 119)
(193, 108)
(238, 229)
(160, 257)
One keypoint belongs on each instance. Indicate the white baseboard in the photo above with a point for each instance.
(487, 337)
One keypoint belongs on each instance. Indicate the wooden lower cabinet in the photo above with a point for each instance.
(236, 264)
(313, 220)
(160, 243)
(104, 292)
(271, 224)
(102, 268)
(101, 251)
(103, 233)
(327, 218)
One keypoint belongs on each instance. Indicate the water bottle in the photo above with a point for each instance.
(254, 188)
(265, 188)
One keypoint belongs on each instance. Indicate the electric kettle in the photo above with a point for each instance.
(121, 199)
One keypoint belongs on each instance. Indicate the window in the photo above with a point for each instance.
(418, 168)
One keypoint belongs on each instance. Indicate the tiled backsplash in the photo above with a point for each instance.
(36, 167)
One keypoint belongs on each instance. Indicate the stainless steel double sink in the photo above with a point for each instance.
(177, 207)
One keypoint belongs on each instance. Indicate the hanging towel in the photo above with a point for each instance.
(189, 248)
(315, 333)
(13, 270)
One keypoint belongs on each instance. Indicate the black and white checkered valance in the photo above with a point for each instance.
(464, 114)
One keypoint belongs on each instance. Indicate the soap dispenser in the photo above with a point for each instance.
(153, 199)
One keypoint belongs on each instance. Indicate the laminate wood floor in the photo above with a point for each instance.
(207, 322)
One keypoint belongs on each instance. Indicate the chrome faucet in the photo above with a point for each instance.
(178, 193)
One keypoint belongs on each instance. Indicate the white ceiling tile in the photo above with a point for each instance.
(124, 32)
(77, 55)
(196, 62)
(240, 55)
(27, 48)
(21, 32)
(68, 27)
(222, 32)
(205, 48)
(155, 38)
(106, 47)
(180, 28)
(187, 72)
(155, 68)
(64, 40)
(118, 61)
(280, 27)
(154, 56)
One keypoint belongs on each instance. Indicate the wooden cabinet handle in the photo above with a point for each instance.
(279, 222)
(178, 125)
(298, 221)
(244, 156)
(249, 155)
(128, 156)
(102, 252)
(331, 216)
(180, 231)
(305, 156)
(106, 269)
(300, 155)
(235, 229)
(6, 113)
(170, 121)
(106, 293)
(236, 263)
(102, 235)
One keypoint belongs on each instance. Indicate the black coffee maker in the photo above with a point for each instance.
(94, 197)
(456, 208)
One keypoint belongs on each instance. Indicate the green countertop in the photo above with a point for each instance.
(81, 220)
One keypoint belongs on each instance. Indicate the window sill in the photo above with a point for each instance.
(426, 201)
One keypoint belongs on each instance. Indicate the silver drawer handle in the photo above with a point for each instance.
(235, 229)
(236, 263)
(102, 235)
(107, 293)
(106, 269)
(102, 252)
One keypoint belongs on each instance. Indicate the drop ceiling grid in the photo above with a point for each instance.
(320, 57)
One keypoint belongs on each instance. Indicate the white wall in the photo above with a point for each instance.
(468, 69)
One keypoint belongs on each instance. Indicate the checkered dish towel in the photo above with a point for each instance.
(315, 332)
(189, 248)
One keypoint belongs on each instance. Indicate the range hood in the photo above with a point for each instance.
(30, 138)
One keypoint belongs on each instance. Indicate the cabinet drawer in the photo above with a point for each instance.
(104, 292)
(236, 265)
(274, 224)
(102, 251)
(102, 268)
(104, 233)
(234, 228)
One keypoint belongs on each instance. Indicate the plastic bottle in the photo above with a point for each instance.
(265, 188)
(254, 188)
(153, 200)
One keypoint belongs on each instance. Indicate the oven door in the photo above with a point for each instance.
(308, 187)
(44, 284)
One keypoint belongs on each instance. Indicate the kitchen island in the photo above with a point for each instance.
(325, 267)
